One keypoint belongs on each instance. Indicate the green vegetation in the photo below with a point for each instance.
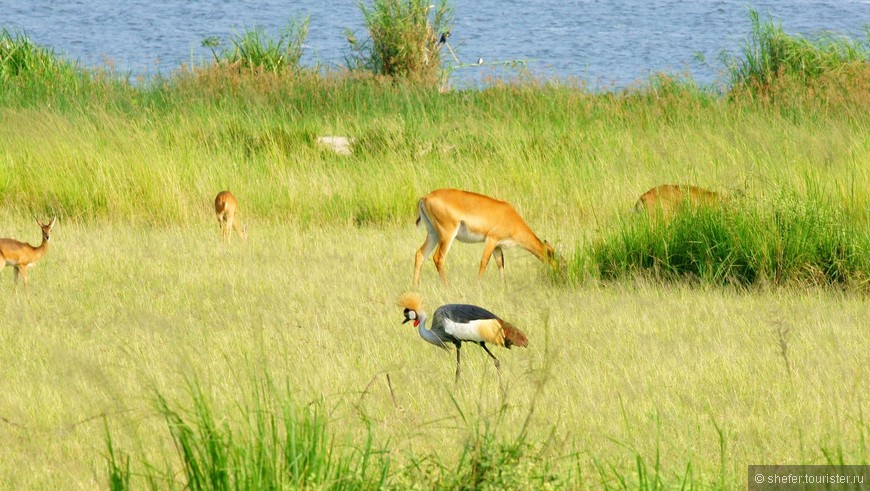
(636, 376)
(770, 55)
(402, 39)
(796, 241)
(271, 445)
(254, 50)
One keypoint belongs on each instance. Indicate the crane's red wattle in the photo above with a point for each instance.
(416, 322)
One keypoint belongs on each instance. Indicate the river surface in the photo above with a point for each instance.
(605, 43)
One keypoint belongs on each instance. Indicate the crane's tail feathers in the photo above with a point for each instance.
(514, 337)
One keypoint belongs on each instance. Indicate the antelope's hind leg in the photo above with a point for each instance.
(422, 253)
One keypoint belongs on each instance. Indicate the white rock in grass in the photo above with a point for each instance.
(338, 144)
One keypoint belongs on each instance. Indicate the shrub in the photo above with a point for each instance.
(799, 241)
(255, 50)
(769, 54)
(402, 39)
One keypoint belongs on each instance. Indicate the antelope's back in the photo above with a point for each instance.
(476, 210)
(669, 196)
(224, 202)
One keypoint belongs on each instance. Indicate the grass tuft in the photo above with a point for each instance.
(255, 51)
(402, 39)
(770, 55)
(268, 443)
(804, 241)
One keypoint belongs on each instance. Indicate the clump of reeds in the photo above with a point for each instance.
(269, 444)
(20, 57)
(255, 50)
(770, 55)
(797, 242)
(402, 39)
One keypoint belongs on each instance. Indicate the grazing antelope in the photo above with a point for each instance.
(667, 199)
(21, 255)
(225, 207)
(470, 217)
(461, 323)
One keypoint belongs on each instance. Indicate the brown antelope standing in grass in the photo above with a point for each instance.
(21, 255)
(668, 198)
(226, 206)
(469, 217)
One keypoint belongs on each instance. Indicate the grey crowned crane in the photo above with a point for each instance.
(462, 323)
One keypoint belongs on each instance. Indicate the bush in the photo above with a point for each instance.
(254, 50)
(770, 55)
(402, 39)
(804, 242)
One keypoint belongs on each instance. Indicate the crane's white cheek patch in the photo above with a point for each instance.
(486, 330)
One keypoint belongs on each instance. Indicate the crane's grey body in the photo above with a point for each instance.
(450, 322)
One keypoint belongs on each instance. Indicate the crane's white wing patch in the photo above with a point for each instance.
(486, 330)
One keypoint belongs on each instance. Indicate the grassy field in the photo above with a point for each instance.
(677, 376)
(631, 379)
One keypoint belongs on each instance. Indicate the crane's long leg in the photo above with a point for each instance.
(497, 365)
(457, 363)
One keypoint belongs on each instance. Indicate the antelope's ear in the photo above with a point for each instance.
(51, 223)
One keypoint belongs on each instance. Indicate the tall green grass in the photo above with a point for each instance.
(770, 55)
(401, 39)
(254, 50)
(270, 442)
(21, 58)
(797, 241)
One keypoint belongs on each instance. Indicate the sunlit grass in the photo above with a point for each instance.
(117, 313)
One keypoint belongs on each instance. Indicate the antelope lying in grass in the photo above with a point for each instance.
(21, 255)
(665, 200)
(226, 206)
(469, 217)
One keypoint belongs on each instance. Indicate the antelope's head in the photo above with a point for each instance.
(550, 256)
(46, 229)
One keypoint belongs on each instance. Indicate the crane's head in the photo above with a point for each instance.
(411, 302)
(411, 315)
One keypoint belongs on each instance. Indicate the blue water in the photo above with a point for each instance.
(606, 43)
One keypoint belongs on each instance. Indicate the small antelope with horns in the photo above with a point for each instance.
(462, 323)
(470, 217)
(21, 255)
(667, 199)
(226, 206)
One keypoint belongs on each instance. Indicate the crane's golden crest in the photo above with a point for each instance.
(410, 300)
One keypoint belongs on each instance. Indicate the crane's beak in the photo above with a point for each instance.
(406, 320)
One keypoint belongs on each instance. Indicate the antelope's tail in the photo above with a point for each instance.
(638, 207)
(514, 337)
(420, 213)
